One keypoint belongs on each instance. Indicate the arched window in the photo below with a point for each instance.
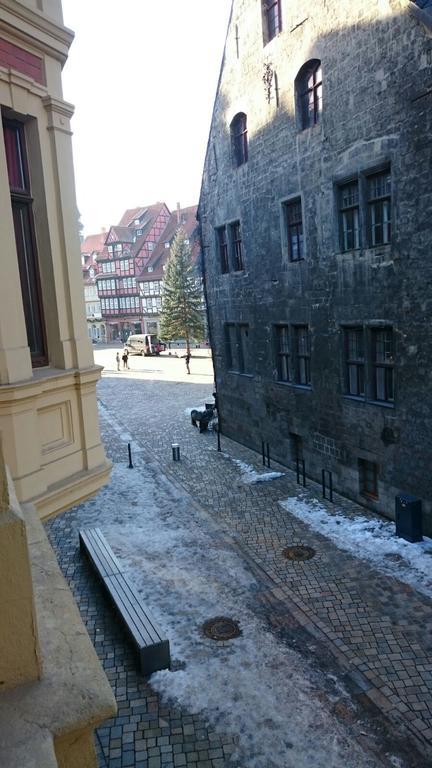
(308, 86)
(239, 139)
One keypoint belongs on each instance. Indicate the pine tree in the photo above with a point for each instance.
(181, 315)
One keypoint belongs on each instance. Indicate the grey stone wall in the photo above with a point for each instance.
(377, 109)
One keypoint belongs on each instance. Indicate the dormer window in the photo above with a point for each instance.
(136, 222)
(139, 232)
(239, 140)
(167, 244)
(149, 269)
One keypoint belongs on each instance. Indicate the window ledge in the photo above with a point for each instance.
(293, 385)
(367, 401)
(245, 375)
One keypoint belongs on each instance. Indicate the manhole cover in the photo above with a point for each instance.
(298, 552)
(221, 628)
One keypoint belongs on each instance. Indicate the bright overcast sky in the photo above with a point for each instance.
(142, 76)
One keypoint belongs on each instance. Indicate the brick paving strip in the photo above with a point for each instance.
(376, 628)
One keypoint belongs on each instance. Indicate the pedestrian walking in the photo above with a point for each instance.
(125, 356)
(187, 360)
(118, 360)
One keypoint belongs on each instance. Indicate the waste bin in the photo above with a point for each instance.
(409, 517)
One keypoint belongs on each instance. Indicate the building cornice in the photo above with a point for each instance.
(35, 29)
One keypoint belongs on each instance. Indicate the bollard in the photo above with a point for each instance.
(218, 439)
(175, 451)
(268, 455)
(263, 452)
(130, 457)
(330, 484)
(303, 471)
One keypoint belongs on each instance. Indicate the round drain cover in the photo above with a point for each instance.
(221, 628)
(298, 552)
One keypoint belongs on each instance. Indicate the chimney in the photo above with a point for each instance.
(178, 213)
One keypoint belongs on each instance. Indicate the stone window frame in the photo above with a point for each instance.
(237, 351)
(271, 11)
(239, 139)
(287, 205)
(365, 205)
(308, 86)
(373, 364)
(283, 352)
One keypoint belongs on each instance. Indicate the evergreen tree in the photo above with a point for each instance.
(181, 315)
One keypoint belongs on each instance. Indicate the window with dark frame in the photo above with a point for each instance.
(237, 347)
(243, 347)
(294, 229)
(349, 213)
(273, 18)
(282, 352)
(354, 362)
(379, 205)
(28, 263)
(368, 478)
(231, 346)
(236, 244)
(239, 139)
(222, 242)
(302, 353)
(383, 364)
(309, 93)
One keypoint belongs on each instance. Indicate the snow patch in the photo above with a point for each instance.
(372, 539)
(249, 475)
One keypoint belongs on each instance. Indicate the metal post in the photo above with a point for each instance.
(323, 483)
(218, 439)
(175, 451)
(131, 466)
(263, 452)
(304, 473)
(298, 469)
(268, 455)
(331, 486)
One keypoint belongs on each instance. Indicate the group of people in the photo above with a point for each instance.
(124, 357)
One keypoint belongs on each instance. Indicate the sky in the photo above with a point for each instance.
(142, 76)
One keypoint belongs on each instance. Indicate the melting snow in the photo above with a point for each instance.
(249, 475)
(372, 539)
(254, 687)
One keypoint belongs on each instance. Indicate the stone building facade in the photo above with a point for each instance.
(316, 232)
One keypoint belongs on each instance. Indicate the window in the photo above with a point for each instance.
(236, 243)
(349, 216)
(237, 347)
(222, 245)
(294, 229)
(308, 86)
(28, 263)
(272, 19)
(239, 139)
(354, 362)
(383, 364)
(368, 478)
(302, 352)
(379, 205)
(282, 352)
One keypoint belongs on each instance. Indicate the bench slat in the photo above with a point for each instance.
(132, 613)
(99, 552)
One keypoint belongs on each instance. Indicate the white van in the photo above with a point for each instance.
(144, 344)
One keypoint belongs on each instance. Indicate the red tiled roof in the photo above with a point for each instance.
(93, 243)
(160, 254)
(131, 214)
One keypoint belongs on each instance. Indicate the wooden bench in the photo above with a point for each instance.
(153, 649)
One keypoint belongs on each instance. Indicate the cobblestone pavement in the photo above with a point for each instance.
(337, 610)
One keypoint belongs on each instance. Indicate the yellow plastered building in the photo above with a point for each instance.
(53, 691)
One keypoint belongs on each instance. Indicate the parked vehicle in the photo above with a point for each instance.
(144, 344)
